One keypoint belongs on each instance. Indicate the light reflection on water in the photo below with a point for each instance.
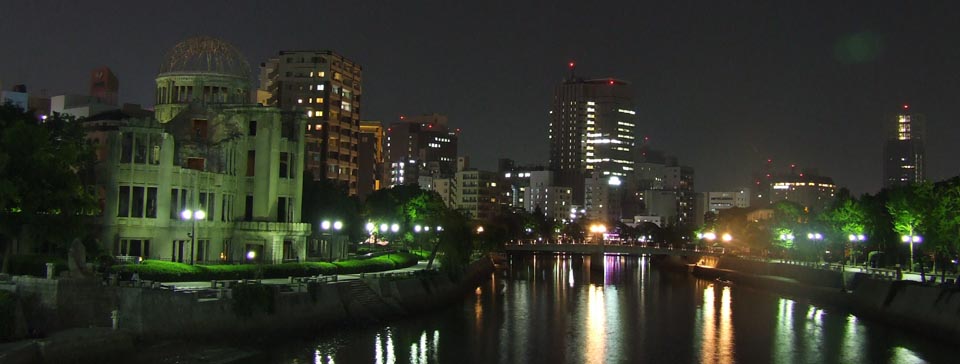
(569, 309)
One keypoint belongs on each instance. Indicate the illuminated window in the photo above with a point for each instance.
(299, 101)
(320, 87)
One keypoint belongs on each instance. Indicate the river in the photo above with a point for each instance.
(556, 309)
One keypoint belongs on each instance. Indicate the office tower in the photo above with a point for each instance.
(326, 87)
(420, 146)
(591, 131)
(903, 152)
(370, 158)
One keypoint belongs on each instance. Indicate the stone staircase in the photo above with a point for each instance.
(362, 302)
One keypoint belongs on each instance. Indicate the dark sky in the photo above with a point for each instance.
(723, 85)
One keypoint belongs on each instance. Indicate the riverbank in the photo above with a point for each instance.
(931, 311)
(148, 315)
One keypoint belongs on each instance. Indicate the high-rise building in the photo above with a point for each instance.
(420, 146)
(104, 86)
(370, 158)
(326, 87)
(591, 131)
(903, 153)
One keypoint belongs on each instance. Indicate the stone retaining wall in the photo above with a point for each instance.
(933, 311)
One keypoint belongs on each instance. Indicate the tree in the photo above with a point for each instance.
(910, 207)
(324, 200)
(42, 197)
(846, 218)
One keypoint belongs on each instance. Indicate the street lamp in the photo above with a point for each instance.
(855, 238)
(911, 239)
(325, 226)
(193, 216)
(727, 237)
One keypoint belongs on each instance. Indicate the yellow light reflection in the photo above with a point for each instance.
(709, 342)
(595, 326)
(717, 343)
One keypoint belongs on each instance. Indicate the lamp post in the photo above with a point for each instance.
(911, 239)
(855, 238)
(816, 238)
(193, 216)
(325, 226)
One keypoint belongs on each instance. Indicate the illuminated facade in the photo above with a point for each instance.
(206, 149)
(591, 131)
(813, 192)
(903, 152)
(326, 88)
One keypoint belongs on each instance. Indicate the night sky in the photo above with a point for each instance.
(722, 85)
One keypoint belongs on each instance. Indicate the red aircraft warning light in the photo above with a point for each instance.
(905, 106)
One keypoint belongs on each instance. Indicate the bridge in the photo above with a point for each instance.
(591, 249)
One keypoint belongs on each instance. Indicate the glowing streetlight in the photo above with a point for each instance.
(325, 225)
(727, 237)
(193, 216)
(370, 227)
(395, 227)
(479, 229)
(911, 239)
(337, 225)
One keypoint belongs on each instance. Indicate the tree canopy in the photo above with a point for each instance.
(42, 197)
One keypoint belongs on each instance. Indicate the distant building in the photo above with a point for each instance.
(370, 158)
(326, 88)
(680, 179)
(517, 179)
(904, 155)
(420, 146)
(602, 198)
(79, 106)
(478, 194)
(810, 190)
(17, 96)
(716, 201)
(104, 86)
(542, 194)
(206, 149)
(591, 131)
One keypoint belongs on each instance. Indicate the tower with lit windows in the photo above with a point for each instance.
(324, 86)
(591, 132)
(903, 152)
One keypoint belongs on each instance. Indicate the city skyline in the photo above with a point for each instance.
(803, 84)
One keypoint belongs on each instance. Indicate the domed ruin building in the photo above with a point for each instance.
(207, 148)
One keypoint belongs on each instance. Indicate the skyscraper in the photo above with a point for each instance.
(591, 131)
(903, 153)
(326, 87)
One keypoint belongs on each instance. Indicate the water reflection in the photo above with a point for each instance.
(573, 309)
(716, 345)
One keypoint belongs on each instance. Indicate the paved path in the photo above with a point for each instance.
(421, 265)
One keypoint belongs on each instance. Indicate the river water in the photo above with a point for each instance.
(560, 309)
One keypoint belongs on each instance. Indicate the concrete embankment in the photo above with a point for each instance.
(148, 315)
(932, 311)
